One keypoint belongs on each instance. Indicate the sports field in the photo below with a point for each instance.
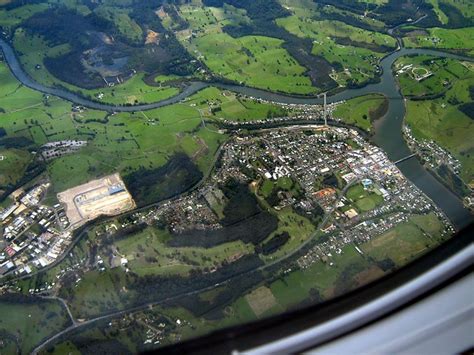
(426, 75)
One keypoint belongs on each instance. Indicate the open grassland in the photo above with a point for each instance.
(465, 7)
(13, 163)
(122, 142)
(458, 40)
(406, 241)
(12, 18)
(311, 9)
(255, 61)
(443, 122)
(426, 75)
(214, 104)
(148, 254)
(360, 111)
(352, 51)
(29, 323)
(127, 27)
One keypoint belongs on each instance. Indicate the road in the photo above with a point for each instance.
(76, 325)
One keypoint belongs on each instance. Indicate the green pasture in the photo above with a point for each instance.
(405, 241)
(32, 322)
(444, 72)
(357, 111)
(355, 62)
(458, 40)
(442, 122)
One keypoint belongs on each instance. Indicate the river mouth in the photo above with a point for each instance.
(387, 130)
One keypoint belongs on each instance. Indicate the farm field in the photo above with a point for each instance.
(254, 61)
(361, 111)
(442, 121)
(352, 51)
(29, 323)
(123, 142)
(405, 241)
(428, 76)
(456, 40)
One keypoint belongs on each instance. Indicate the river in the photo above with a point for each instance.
(387, 130)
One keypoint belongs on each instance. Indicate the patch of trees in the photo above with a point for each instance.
(213, 309)
(331, 180)
(155, 287)
(386, 264)
(456, 18)
(380, 111)
(467, 109)
(273, 244)
(393, 13)
(151, 185)
(243, 220)
(69, 68)
(3, 133)
(32, 171)
(15, 142)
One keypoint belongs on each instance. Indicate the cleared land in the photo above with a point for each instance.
(105, 196)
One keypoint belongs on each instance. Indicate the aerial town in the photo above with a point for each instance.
(358, 192)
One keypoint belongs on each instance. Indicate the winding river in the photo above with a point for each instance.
(387, 130)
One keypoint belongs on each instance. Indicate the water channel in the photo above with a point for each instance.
(387, 130)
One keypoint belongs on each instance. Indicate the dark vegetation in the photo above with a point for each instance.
(33, 170)
(380, 111)
(152, 185)
(273, 244)
(393, 13)
(455, 17)
(89, 345)
(214, 309)
(263, 13)
(59, 25)
(453, 181)
(152, 287)
(468, 108)
(243, 220)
